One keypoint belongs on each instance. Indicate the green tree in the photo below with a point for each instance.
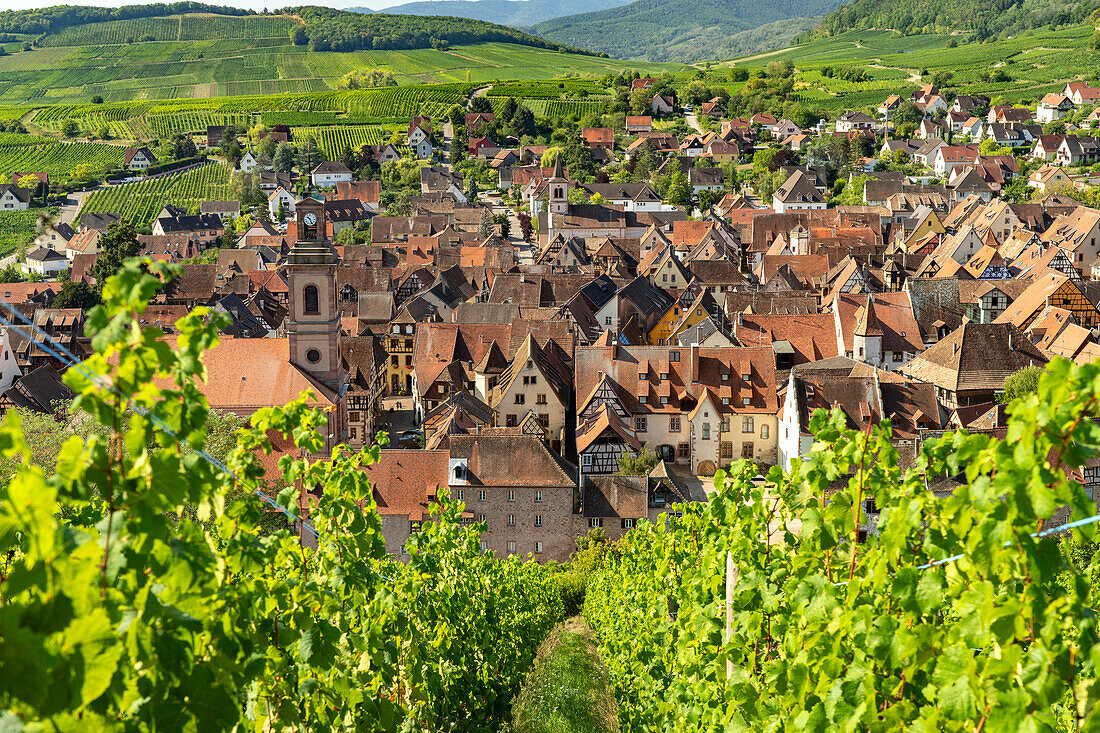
(76, 295)
(1020, 384)
(679, 190)
(116, 245)
(69, 128)
(637, 463)
(285, 158)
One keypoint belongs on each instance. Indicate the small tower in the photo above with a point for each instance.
(867, 335)
(558, 186)
(313, 324)
(800, 240)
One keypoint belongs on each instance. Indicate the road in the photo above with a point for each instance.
(693, 121)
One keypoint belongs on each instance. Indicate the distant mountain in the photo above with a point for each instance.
(979, 18)
(687, 30)
(505, 12)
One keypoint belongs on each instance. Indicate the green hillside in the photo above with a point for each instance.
(1014, 70)
(133, 53)
(247, 56)
(687, 30)
(980, 19)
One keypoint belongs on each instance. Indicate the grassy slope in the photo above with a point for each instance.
(568, 690)
(1037, 62)
(263, 62)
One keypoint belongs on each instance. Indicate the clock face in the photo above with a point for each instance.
(309, 220)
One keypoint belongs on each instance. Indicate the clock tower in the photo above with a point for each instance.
(313, 324)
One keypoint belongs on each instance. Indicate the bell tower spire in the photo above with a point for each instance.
(313, 324)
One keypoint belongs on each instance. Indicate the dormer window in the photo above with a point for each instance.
(664, 376)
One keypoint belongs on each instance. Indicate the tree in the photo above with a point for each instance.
(298, 35)
(366, 79)
(508, 109)
(481, 104)
(285, 158)
(485, 228)
(525, 228)
(637, 463)
(679, 190)
(76, 295)
(116, 245)
(504, 223)
(471, 188)
(69, 128)
(1020, 384)
(12, 274)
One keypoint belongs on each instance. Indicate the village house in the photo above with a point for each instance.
(329, 173)
(850, 121)
(702, 407)
(638, 123)
(14, 198)
(138, 159)
(1053, 107)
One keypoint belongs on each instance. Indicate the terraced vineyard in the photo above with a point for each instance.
(58, 159)
(140, 202)
(19, 228)
(333, 140)
(562, 107)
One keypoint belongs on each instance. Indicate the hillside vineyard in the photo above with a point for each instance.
(632, 367)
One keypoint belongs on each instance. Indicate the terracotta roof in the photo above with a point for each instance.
(406, 482)
(811, 336)
(890, 316)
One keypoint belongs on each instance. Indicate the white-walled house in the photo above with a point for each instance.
(138, 159)
(9, 366)
(1053, 107)
(286, 198)
(46, 262)
(329, 173)
(14, 198)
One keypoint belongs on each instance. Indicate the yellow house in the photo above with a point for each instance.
(930, 224)
(676, 320)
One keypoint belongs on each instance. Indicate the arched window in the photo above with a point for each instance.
(311, 300)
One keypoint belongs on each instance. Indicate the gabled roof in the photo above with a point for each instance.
(976, 356)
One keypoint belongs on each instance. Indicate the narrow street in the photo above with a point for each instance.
(693, 122)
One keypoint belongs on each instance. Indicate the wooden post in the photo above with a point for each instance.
(731, 581)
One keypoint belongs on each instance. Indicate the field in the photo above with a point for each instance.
(1035, 63)
(193, 57)
(57, 159)
(141, 201)
(19, 228)
(332, 140)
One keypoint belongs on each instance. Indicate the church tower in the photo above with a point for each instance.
(313, 324)
(558, 189)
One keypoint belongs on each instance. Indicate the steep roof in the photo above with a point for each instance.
(976, 356)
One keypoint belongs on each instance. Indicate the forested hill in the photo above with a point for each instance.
(508, 12)
(44, 20)
(328, 29)
(979, 19)
(324, 29)
(687, 30)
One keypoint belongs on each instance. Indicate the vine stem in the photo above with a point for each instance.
(859, 499)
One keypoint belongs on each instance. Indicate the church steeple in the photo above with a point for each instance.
(313, 324)
(558, 193)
